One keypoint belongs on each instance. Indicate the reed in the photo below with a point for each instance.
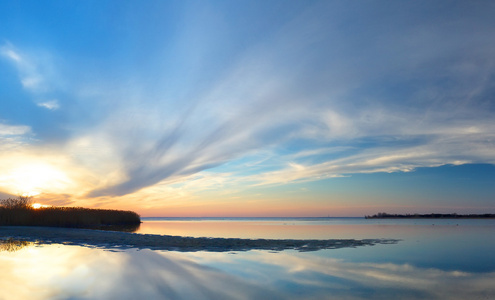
(76, 217)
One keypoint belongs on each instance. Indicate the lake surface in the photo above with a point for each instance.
(435, 259)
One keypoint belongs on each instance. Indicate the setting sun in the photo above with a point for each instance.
(39, 205)
(31, 178)
(247, 149)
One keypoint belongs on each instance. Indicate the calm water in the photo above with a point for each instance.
(436, 259)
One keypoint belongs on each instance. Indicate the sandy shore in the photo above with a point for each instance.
(123, 240)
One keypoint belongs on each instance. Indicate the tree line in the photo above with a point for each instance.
(19, 212)
(383, 215)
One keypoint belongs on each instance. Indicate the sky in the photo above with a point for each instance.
(249, 108)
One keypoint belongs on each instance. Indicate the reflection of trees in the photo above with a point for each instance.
(12, 245)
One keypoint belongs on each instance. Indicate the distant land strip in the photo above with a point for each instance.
(430, 216)
(124, 240)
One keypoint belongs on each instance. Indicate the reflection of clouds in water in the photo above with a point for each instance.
(172, 277)
(63, 272)
(53, 271)
(318, 277)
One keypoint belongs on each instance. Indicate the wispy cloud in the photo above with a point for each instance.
(263, 103)
(324, 94)
(10, 130)
(35, 75)
(51, 104)
(29, 74)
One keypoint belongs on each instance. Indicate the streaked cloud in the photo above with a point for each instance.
(322, 90)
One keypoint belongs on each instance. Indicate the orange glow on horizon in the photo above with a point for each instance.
(39, 205)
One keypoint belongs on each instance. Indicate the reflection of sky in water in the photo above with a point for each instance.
(441, 261)
(302, 229)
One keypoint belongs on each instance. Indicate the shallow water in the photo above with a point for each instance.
(436, 259)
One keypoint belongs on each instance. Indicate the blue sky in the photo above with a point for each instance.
(247, 107)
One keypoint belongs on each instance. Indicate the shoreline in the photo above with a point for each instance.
(125, 240)
(453, 216)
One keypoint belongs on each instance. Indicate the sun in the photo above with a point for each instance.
(34, 179)
(39, 205)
